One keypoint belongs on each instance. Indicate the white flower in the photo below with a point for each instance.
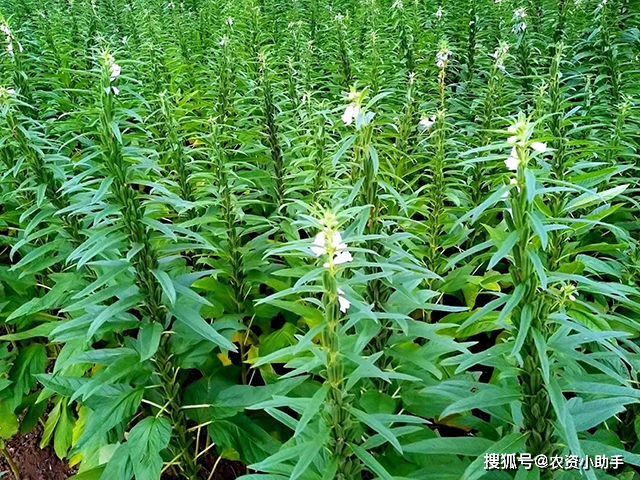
(340, 253)
(427, 123)
(319, 243)
(5, 29)
(6, 92)
(519, 13)
(230, 21)
(398, 4)
(124, 40)
(342, 256)
(114, 71)
(170, 5)
(513, 161)
(439, 12)
(344, 303)
(442, 57)
(116, 90)
(350, 113)
(223, 41)
(519, 27)
(500, 54)
(539, 147)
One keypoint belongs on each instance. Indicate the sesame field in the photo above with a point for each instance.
(319, 239)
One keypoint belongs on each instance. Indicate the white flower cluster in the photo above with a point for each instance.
(397, 5)
(519, 137)
(353, 110)
(520, 25)
(442, 57)
(114, 71)
(427, 122)
(341, 254)
(350, 113)
(500, 54)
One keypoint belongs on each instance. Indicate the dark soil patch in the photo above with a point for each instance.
(33, 462)
(225, 470)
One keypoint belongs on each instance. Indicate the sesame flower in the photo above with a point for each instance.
(114, 71)
(230, 21)
(337, 248)
(341, 257)
(427, 122)
(344, 303)
(500, 54)
(350, 113)
(513, 161)
(442, 57)
(539, 147)
(519, 13)
(438, 13)
(6, 92)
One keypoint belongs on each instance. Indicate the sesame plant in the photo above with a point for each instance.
(321, 239)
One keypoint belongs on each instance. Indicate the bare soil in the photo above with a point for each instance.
(33, 462)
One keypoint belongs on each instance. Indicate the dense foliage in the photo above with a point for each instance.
(331, 239)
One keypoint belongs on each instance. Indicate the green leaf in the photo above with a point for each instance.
(146, 440)
(370, 461)
(372, 422)
(317, 401)
(192, 319)
(167, 285)
(63, 435)
(503, 250)
(468, 446)
(108, 412)
(42, 330)
(8, 421)
(149, 340)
